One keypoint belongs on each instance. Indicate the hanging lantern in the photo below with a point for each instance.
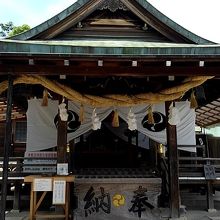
(132, 122)
(96, 123)
(174, 115)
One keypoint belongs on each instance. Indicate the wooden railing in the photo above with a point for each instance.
(201, 171)
(194, 167)
(191, 171)
(16, 174)
(17, 165)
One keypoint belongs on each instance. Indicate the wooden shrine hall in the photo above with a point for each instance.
(107, 93)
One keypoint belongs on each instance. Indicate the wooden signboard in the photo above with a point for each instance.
(61, 189)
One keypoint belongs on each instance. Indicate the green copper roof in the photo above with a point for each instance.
(146, 5)
(122, 48)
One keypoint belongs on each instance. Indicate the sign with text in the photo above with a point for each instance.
(209, 171)
(120, 200)
(59, 192)
(42, 184)
(62, 169)
(40, 162)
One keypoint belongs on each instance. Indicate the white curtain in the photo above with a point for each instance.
(42, 132)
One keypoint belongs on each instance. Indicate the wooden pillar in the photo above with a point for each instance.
(17, 190)
(17, 196)
(210, 198)
(72, 155)
(7, 146)
(61, 140)
(173, 164)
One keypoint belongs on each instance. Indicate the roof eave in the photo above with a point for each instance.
(173, 25)
(33, 48)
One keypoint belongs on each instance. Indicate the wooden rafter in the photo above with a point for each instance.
(16, 113)
(209, 114)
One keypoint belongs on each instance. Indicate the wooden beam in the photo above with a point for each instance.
(206, 124)
(173, 165)
(18, 116)
(14, 113)
(7, 147)
(24, 57)
(111, 71)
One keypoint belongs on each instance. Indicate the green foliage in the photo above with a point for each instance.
(19, 30)
(6, 28)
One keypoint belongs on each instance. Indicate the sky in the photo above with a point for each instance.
(199, 16)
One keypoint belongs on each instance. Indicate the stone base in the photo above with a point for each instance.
(15, 211)
(180, 218)
(182, 210)
(212, 210)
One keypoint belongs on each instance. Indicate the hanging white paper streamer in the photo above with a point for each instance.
(132, 122)
(174, 115)
(63, 111)
(96, 123)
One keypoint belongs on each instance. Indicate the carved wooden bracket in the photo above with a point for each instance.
(113, 5)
